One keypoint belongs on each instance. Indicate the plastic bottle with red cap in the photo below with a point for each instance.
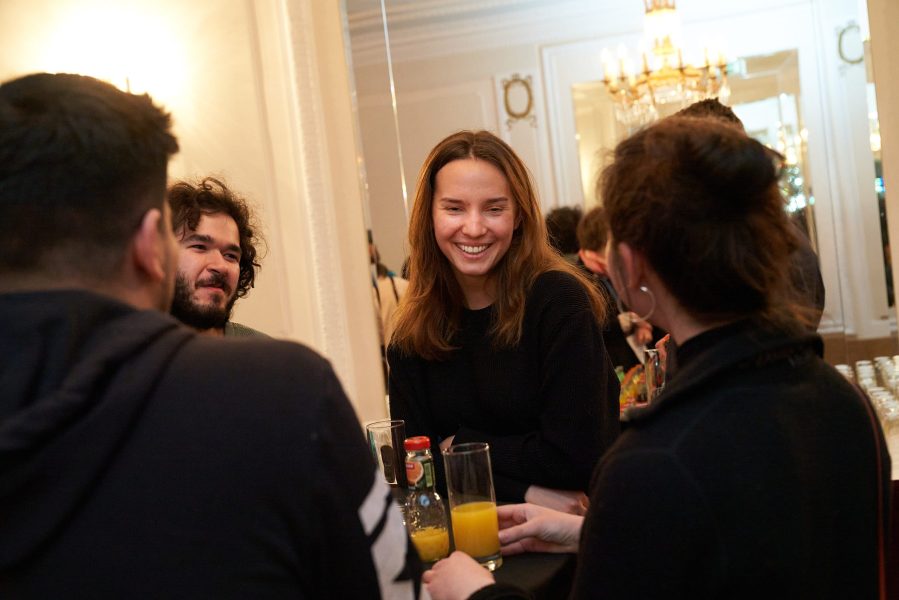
(425, 513)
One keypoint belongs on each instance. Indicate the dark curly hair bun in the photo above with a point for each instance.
(733, 172)
(699, 199)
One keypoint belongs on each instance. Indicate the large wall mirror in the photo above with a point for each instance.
(764, 93)
(529, 70)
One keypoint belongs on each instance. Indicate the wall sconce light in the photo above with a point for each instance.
(132, 46)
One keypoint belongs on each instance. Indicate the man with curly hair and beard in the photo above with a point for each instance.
(217, 259)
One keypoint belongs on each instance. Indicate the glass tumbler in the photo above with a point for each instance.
(385, 438)
(469, 481)
(655, 375)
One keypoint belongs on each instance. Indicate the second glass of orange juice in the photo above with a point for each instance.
(469, 481)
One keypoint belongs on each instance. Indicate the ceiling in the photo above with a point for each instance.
(429, 28)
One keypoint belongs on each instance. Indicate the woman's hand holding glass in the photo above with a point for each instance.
(531, 528)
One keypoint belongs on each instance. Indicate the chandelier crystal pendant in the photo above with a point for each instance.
(665, 82)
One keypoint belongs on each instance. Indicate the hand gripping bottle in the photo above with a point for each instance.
(425, 514)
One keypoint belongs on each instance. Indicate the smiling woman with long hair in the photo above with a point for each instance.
(497, 338)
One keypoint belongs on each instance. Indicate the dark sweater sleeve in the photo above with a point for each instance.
(578, 397)
(646, 525)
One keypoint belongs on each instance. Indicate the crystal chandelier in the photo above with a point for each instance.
(665, 82)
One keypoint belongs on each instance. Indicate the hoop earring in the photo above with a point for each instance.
(642, 288)
(652, 297)
(622, 311)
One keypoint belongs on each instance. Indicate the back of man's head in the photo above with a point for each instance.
(80, 164)
(593, 230)
(561, 224)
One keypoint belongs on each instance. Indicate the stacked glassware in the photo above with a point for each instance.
(880, 380)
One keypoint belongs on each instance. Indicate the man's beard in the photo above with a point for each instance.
(199, 316)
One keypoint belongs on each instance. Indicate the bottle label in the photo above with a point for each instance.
(420, 474)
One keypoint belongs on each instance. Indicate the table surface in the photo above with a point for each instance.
(546, 576)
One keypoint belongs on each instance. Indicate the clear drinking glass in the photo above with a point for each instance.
(469, 481)
(385, 438)
(655, 374)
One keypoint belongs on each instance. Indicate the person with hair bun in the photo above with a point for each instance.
(759, 471)
(497, 338)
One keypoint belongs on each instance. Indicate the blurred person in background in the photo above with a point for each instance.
(626, 335)
(561, 225)
(387, 289)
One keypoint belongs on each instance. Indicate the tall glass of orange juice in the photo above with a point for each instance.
(469, 481)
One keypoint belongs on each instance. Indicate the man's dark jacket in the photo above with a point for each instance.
(139, 460)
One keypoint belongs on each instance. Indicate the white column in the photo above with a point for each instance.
(325, 280)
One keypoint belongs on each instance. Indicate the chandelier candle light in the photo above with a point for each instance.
(666, 82)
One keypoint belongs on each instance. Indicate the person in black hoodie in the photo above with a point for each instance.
(139, 459)
(759, 471)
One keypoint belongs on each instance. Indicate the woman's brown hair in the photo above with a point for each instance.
(431, 309)
(699, 199)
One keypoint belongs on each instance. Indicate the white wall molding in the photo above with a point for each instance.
(418, 33)
(424, 29)
(531, 135)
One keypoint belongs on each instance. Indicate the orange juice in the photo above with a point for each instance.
(476, 529)
(432, 543)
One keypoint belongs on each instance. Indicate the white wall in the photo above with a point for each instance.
(259, 93)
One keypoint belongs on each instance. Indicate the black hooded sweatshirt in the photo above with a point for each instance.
(140, 460)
